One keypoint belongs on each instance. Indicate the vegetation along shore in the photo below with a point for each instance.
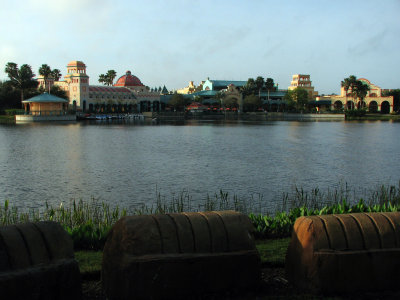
(88, 223)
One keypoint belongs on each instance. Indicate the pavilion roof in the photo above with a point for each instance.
(45, 98)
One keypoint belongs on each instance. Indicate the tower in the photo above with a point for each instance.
(78, 83)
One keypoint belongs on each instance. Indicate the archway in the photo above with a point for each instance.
(361, 105)
(74, 105)
(90, 107)
(385, 107)
(350, 105)
(84, 105)
(373, 107)
(338, 105)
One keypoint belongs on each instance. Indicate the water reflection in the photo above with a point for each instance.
(124, 163)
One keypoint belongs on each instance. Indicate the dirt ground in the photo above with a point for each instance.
(274, 286)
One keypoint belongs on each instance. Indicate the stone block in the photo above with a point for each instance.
(345, 253)
(179, 255)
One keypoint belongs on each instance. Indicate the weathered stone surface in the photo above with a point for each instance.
(36, 262)
(345, 253)
(176, 255)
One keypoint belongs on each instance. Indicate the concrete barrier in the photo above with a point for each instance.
(175, 255)
(345, 253)
(37, 262)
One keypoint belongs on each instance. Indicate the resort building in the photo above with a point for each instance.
(191, 88)
(128, 94)
(373, 102)
(304, 82)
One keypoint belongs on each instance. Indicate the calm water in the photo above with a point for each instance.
(126, 163)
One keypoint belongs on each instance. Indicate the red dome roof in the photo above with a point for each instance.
(128, 80)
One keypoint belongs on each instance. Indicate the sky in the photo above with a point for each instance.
(172, 42)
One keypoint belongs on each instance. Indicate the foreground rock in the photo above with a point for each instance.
(179, 255)
(37, 262)
(346, 253)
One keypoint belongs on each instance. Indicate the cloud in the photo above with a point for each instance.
(371, 44)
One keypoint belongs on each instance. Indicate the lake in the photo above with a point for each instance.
(129, 163)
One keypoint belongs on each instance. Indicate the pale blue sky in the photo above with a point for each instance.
(175, 41)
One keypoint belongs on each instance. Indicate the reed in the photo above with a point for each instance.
(88, 222)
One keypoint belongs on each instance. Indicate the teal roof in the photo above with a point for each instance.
(279, 93)
(207, 93)
(46, 98)
(225, 83)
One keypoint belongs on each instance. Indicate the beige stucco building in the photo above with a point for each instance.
(373, 102)
(127, 94)
(303, 81)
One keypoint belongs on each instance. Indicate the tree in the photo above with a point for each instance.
(357, 88)
(220, 96)
(111, 74)
(46, 72)
(21, 78)
(177, 101)
(361, 91)
(259, 84)
(249, 88)
(252, 102)
(297, 99)
(102, 79)
(9, 97)
(56, 74)
(230, 102)
(269, 85)
(108, 78)
(347, 84)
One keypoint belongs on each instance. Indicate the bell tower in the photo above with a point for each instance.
(78, 83)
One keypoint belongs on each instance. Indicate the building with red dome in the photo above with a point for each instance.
(128, 94)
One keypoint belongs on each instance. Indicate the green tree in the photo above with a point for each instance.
(177, 101)
(220, 96)
(259, 84)
(102, 79)
(357, 88)
(252, 102)
(46, 72)
(361, 91)
(56, 74)
(249, 88)
(297, 99)
(111, 74)
(269, 85)
(230, 102)
(21, 78)
(9, 97)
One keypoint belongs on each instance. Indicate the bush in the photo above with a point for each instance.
(355, 113)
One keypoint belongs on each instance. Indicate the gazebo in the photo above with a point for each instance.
(45, 107)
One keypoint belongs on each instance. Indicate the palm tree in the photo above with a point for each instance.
(349, 84)
(46, 72)
(220, 96)
(56, 74)
(269, 84)
(111, 74)
(102, 79)
(260, 84)
(21, 79)
(361, 91)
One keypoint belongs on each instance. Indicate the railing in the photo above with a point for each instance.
(47, 113)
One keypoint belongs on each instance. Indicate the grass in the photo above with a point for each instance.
(89, 261)
(88, 222)
(272, 252)
(7, 119)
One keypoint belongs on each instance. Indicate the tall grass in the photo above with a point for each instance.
(88, 222)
